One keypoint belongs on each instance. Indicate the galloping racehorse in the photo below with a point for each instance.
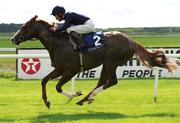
(118, 49)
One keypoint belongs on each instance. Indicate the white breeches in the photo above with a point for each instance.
(87, 27)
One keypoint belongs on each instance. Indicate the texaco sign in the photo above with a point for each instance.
(33, 68)
(30, 65)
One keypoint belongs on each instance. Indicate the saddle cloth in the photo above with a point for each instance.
(93, 41)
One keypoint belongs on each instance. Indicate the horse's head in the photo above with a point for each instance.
(26, 32)
(30, 30)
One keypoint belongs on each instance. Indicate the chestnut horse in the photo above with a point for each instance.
(118, 49)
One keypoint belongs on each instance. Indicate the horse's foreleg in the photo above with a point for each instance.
(50, 76)
(67, 75)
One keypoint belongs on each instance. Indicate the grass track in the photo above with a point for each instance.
(131, 101)
(158, 41)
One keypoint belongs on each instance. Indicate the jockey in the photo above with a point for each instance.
(75, 24)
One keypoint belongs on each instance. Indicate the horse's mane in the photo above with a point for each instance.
(46, 24)
(54, 34)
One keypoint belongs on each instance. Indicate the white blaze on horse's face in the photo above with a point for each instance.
(25, 33)
(18, 37)
(13, 39)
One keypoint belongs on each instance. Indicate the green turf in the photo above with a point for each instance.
(158, 41)
(7, 63)
(131, 101)
(6, 43)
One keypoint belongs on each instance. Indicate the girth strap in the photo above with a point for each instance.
(80, 54)
(81, 61)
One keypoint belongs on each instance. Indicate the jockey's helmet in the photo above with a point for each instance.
(58, 9)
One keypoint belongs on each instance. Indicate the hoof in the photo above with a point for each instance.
(79, 103)
(79, 93)
(90, 101)
(48, 104)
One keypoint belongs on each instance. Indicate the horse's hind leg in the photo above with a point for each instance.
(112, 80)
(55, 73)
(102, 81)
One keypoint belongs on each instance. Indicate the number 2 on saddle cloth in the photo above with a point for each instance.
(93, 41)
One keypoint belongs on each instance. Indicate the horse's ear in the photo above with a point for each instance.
(34, 18)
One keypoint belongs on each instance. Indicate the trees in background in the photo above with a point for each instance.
(7, 28)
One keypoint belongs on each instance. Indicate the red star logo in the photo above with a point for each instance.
(30, 65)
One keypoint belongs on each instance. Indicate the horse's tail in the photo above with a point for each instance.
(155, 58)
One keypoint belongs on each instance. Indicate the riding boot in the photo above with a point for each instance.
(78, 40)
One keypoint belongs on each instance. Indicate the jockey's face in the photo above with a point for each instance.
(59, 17)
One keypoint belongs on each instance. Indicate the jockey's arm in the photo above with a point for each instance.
(64, 26)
